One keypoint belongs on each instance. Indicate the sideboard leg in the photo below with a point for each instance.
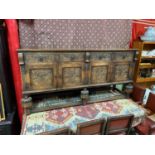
(26, 104)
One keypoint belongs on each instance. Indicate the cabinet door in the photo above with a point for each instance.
(71, 74)
(122, 72)
(100, 67)
(99, 72)
(41, 77)
(39, 71)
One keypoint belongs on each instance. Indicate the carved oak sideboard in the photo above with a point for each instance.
(52, 70)
(45, 71)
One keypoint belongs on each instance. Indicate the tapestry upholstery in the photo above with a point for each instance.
(71, 116)
(75, 33)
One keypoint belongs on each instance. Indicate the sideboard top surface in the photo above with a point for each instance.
(75, 50)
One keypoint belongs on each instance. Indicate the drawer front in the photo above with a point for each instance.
(100, 56)
(39, 58)
(123, 56)
(71, 57)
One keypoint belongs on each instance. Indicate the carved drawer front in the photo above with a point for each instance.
(100, 73)
(40, 77)
(120, 71)
(78, 56)
(100, 56)
(40, 58)
(123, 56)
(71, 74)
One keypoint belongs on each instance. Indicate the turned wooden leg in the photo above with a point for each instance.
(128, 90)
(26, 104)
(84, 96)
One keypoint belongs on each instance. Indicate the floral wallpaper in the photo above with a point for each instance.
(75, 33)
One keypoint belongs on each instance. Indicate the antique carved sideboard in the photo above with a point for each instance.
(54, 78)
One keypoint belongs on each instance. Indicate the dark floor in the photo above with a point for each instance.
(133, 132)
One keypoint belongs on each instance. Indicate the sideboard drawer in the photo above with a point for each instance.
(35, 58)
(123, 56)
(71, 57)
(100, 56)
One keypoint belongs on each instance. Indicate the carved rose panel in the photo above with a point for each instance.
(99, 74)
(41, 78)
(72, 76)
(121, 72)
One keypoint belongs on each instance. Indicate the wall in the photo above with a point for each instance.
(75, 33)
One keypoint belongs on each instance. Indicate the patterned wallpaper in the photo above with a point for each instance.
(75, 33)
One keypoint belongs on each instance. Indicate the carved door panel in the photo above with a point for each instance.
(71, 74)
(122, 72)
(99, 72)
(41, 77)
(38, 70)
